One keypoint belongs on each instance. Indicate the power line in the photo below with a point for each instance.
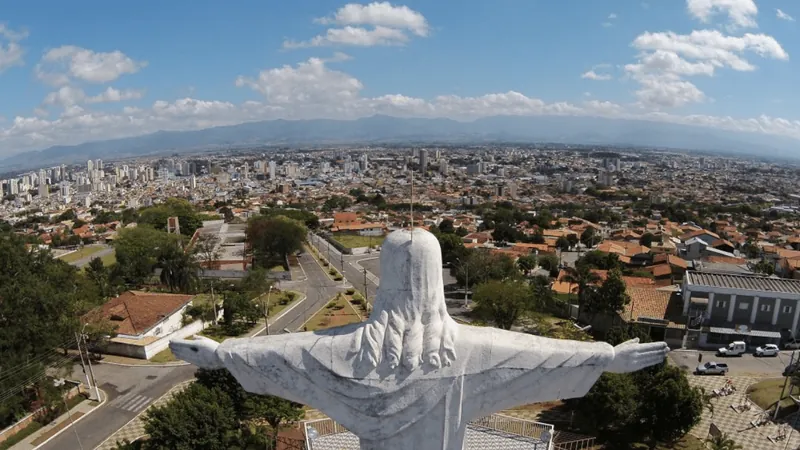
(41, 359)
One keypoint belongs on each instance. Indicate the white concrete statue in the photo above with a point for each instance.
(410, 377)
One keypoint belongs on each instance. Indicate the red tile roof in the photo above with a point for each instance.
(136, 312)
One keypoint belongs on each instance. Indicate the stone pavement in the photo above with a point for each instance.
(737, 425)
(60, 423)
(134, 429)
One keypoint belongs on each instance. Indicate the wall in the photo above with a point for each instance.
(169, 324)
(27, 420)
(149, 350)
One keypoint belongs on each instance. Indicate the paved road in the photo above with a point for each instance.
(132, 390)
(739, 365)
(318, 288)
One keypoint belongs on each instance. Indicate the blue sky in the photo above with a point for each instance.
(77, 71)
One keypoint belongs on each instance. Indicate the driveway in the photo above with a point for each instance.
(745, 365)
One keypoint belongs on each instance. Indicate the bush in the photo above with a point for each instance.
(357, 297)
(350, 291)
(331, 304)
(357, 301)
(325, 263)
(332, 271)
(338, 278)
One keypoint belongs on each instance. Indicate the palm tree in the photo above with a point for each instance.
(585, 278)
(179, 270)
(723, 442)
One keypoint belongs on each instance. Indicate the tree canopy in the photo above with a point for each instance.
(156, 216)
(273, 238)
(503, 302)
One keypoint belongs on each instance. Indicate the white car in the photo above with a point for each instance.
(767, 350)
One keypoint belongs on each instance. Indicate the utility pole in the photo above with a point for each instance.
(466, 287)
(266, 310)
(83, 364)
(366, 290)
(785, 382)
(89, 361)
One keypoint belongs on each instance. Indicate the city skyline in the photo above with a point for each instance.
(119, 72)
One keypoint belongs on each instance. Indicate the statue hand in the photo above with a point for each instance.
(631, 356)
(202, 352)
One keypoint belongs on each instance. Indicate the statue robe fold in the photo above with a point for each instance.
(404, 409)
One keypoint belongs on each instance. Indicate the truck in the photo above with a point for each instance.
(735, 348)
(711, 368)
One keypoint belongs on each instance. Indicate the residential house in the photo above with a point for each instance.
(145, 322)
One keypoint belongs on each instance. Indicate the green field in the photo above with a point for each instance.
(335, 314)
(81, 253)
(109, 259)
(355, 241)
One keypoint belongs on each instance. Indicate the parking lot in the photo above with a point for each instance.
(745, 365)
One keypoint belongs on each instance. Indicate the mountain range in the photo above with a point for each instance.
(386, 129)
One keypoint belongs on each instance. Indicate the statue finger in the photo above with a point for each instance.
(653, 346)
(432, 340)
(372, 339)
(631, 341)
(393, 339)
(448, 346)
(412, 345)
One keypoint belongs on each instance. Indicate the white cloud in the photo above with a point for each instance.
(312, 90)
(783, 15)
(378, 23)
(11, 52)
(740, 13)
(379, 14)
(354, 36)
(612, 16)
(68, 96)
(61, 65)
(592, 75)
(667, 57)
(607, 24)
(111, 95)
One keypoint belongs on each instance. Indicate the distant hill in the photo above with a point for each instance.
(386, 129)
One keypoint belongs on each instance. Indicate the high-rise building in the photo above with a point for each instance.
(90, 166)
(443, 169)
(44, 192)
(193, 182)
(272, 170)
(246, 171)
(423, 160)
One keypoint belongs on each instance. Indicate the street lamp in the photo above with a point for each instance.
(266, 309)
(466, 284)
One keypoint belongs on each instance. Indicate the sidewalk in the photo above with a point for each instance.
(61, 424)
(134, 429)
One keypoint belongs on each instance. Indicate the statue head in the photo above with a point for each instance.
(409, 324)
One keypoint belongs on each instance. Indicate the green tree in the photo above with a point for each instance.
(611, 407)
(452, 247)
(274, 238)
(722, 442)
(503, 302)
(206, 247)
(197, 418)
(549, 263)
(446, 226)
(647, 239)
(599, 260)
(137, 252)
(100, 275)
(668, 405)
(588, 237)
(573, 240)
(483, 266)
(764, 267)
(618, 334)
(526, 263)
(156, 216)
(562, 243)
(179, 269)
(586, 280)
(611, 297)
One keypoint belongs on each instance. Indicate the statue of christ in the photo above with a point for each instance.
(410, 377)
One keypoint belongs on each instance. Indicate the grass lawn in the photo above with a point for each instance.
(335, 314)
(279, 302)
(765, 393)
(163, 356)
(688, 442)
(109, 259)
(355, 241)
(81, 253)
(27, 431)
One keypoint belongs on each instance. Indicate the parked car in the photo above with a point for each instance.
(735, 348)
(767, 350)
(792, 344)
(711, 368)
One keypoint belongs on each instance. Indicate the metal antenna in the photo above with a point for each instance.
(412, 205)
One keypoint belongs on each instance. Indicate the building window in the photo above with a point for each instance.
(721, 304)
(787, 309)
(766, 308)
(744, 305)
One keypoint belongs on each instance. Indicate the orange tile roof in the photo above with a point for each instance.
(136, 312)
(671, 260)
(646, 302)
